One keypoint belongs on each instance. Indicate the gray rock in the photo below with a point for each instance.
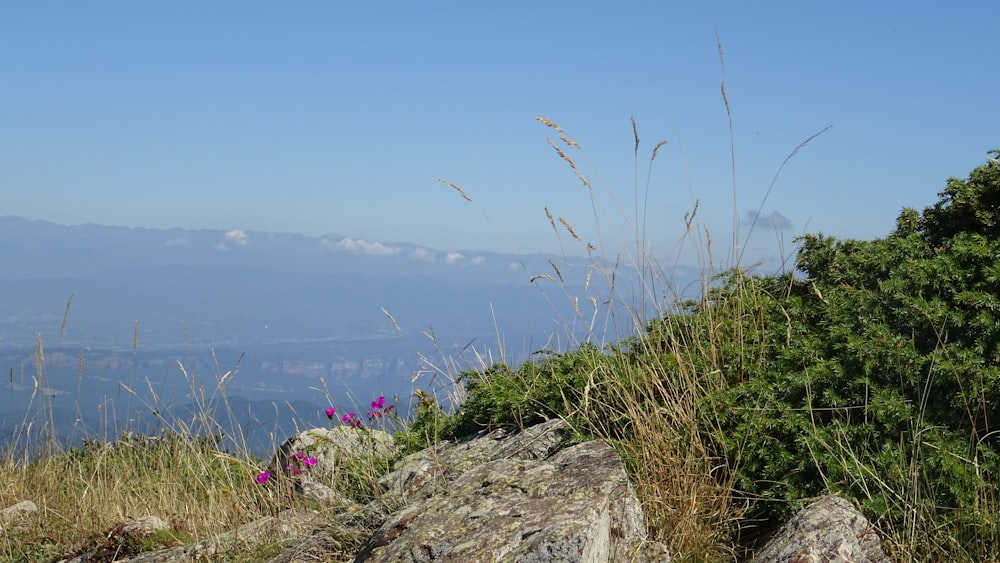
(17, 512)
(328, 496)
(330, 447)
(431, 471)
(506, 497)
(144, 525)
(829, 530)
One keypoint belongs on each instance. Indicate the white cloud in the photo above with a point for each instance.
(476, 261)
(360, 246)
(423, 254)
(176, 242)
(453, 257)
(515, 267)
(237, 237)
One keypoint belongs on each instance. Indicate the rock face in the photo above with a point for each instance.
(504, 497)
(830, 530)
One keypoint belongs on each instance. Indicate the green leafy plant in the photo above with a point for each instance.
(877, 375)
(430, 425)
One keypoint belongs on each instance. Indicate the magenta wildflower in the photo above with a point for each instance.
(262, 477)
(352, 419)
(330, 412)
(298, 462)
(379, 408)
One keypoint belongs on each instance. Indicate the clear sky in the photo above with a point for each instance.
(335, 117)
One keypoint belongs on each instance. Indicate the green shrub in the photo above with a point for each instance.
(551, 386)
(877, 375)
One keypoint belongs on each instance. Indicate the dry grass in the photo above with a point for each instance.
(204, 488)
(84, 495)
(201, 488)
(685, 491)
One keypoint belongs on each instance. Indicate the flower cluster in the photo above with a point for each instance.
(352, 419)
(299, 462)
(379, 409)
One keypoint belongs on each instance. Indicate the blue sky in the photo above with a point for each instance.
(324, 117)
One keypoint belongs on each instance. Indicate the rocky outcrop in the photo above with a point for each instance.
(503, 495)
(830, 530)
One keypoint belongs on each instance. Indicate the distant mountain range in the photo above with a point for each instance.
(249, 286)
(36, 249)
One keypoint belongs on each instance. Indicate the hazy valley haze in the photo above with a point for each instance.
(291, 316)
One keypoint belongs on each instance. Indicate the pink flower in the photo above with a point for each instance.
(352, 419)
(380, 409)
(262, 477)
(293, 470)
(309, 461)
(330, 412)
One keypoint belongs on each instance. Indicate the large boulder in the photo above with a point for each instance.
(513, 496)
(829, 530)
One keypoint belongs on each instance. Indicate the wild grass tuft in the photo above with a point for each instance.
(84, 492)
